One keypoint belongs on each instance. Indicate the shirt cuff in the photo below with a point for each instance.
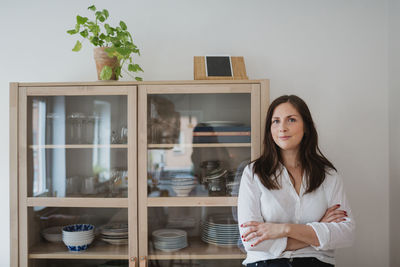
(322, 232)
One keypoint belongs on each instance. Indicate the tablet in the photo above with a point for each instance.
(218, 65)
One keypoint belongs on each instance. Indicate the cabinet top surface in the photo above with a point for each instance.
(127, 83)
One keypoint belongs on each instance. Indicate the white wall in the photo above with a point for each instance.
(331, 53)
(394, 129)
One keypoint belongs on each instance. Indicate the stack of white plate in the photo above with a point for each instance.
(53, 234)
(170, 240)
(182, 186)
(78, 237)
(220, 230)
(115, 233)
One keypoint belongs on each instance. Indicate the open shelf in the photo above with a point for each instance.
(199, 145)
(98, 250)
(198, 249)
(77, 202)
(79, 146)
(191, 201)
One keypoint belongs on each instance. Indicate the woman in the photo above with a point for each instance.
(292, 209)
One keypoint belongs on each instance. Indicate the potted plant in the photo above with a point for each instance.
(114, 46)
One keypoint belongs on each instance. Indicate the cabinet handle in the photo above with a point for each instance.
(133, 262)
(143, 262)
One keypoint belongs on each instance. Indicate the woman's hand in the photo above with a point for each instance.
(263, 231)
(332, 214)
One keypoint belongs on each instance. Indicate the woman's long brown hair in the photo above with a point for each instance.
(314, 163)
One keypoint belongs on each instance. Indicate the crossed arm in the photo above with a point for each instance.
(299, 235)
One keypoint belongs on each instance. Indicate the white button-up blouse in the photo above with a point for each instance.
(257, 203)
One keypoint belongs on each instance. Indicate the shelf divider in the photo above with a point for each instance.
(72, 146)
(191, 201)
(77, 202)
(98, 250)
(161, 146)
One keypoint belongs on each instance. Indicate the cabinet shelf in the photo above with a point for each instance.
(72, 146)
(198, 249)
(161, 146)
(77, 202)
(192, 201)
(98, 250)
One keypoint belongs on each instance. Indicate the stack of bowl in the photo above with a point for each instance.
(182, 186)
(77, 237)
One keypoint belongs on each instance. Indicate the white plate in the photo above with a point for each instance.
(169, 233)
(116, 242)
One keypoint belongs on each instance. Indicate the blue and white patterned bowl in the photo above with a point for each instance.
(77, 248)
(78, 228)
(77, 237)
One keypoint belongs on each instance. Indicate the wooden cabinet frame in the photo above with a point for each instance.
(137, 201)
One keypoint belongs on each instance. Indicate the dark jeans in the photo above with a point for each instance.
(294, 262)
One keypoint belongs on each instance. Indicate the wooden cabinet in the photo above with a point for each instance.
(162, 158)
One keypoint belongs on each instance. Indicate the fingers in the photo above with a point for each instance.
(250, 231)
(251, 223)
(332, 212)
(336, 213)
(250, 237)
(335, 217)
(332, 208)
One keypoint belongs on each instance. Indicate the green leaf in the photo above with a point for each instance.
(139, 68)
(102, 18)
(84, 33)
(81, 20)
(95, 41)
(95, 29)
(92, 7)
(138, 78)
(123, 51)
(77, 27)
(131, 68)
(102, 36)
(109, 30)
(123, 25)
(77, 46)
(72, 32)
(105, 13)
(106, 73)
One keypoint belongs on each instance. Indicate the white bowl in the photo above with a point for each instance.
(182, 192)
(53, 234)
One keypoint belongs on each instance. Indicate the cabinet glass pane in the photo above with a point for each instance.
(109, 239)
(77, 146)
(195, 233)
(198, 144)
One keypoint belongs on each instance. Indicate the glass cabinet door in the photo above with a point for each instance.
(79, 180)
(198, 140)
(77, 146)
